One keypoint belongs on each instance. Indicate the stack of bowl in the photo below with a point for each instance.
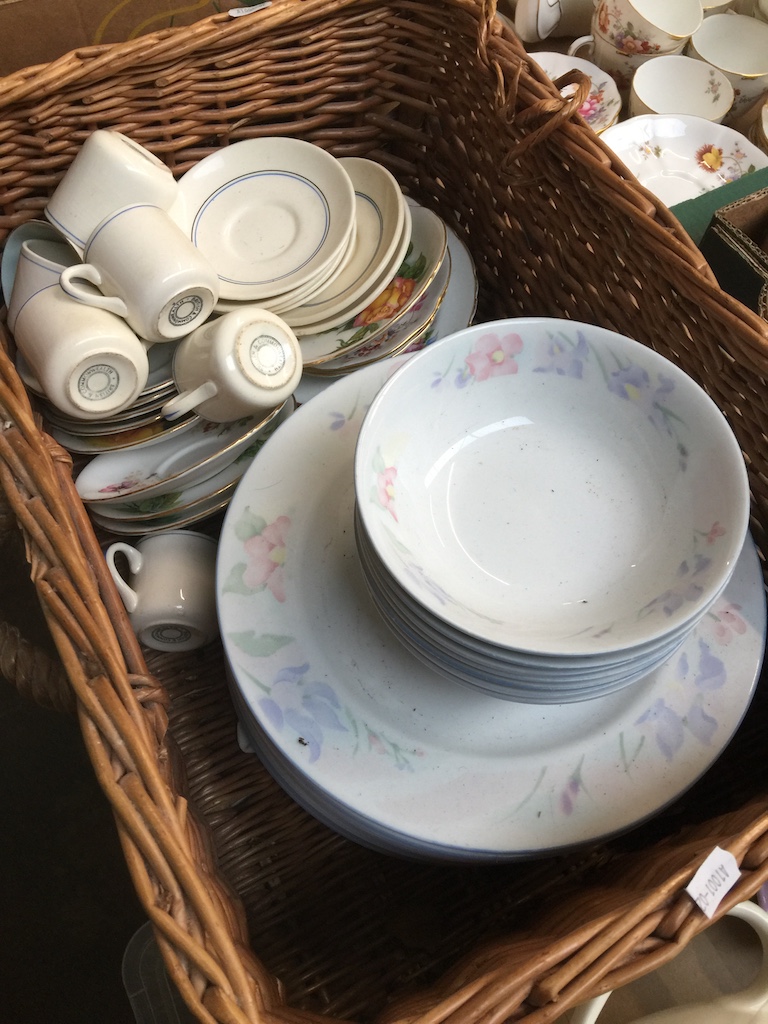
(545, 510)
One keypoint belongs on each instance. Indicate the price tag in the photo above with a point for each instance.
(238, 12)
(714, 879)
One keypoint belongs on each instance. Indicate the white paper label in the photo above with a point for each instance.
(714, 879)
(238, 12)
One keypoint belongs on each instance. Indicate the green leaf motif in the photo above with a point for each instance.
(234, 582)
(260, 645)
(249, 525)
(158, 503)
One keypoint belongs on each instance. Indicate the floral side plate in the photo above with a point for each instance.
(422, 261)
(679, 157)
(173, 463)
(399, 337)
(602, 106)
(395, 755)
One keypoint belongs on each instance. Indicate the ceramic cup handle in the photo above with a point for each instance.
(71, 281)
(129, 597)
(577, 44)
(749, 1006)
(187, 400)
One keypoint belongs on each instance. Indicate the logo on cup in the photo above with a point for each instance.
(267, 355)
(98, 382)
(171, 634)
(184, 310)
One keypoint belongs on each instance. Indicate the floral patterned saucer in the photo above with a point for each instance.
(602, 106)
(173, 463)
(422, 261)
(679, 157)
(395, 756)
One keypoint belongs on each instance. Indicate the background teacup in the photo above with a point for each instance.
(710, 7)
(88, 362)
(147, 271)
(675, 84)
(738, 46)
(647, 26)
(243, 363)
(108, 172)
(170, 593)
(620, 66)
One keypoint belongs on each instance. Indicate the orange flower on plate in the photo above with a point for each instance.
(709, 158)
(387, 302)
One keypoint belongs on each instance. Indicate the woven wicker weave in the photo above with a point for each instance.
(261, 912)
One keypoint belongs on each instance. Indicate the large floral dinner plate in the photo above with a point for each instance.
(396, 756)
(679, 157)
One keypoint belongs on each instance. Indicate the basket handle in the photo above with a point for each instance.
(547, 112)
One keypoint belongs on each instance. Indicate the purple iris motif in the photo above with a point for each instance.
(564, 360)
(308, 709)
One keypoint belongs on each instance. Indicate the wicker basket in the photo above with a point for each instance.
(261, 912)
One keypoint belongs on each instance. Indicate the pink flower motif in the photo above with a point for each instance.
(494, 356)
(376, 744)
(729, 624)
(385, 490)
(716, 531)
(266, 555)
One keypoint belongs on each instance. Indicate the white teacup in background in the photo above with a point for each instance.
(108, 172)
(147, 271)
(170, 593)
(675, 84)
(710, 7)
(87, 361)
(738, 46)
(647, 26)
(244, 363)
(620, 66)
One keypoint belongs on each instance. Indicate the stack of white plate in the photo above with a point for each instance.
(537, 514)
(175, 479)
(392, 753)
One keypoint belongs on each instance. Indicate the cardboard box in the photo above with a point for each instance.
(736, 247)
(39, 31)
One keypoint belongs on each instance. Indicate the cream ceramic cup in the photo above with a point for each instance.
(244, 363)
(147, 271)
(88, 362)
(738, 46)
(675, 84)
(39, 264)
(170, 590)
(647, 26)
(109, 171)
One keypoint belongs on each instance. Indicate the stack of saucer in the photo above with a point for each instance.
(330, 245)
(535, 510)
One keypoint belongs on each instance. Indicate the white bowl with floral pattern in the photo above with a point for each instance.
(552, 487)
(680, 156)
